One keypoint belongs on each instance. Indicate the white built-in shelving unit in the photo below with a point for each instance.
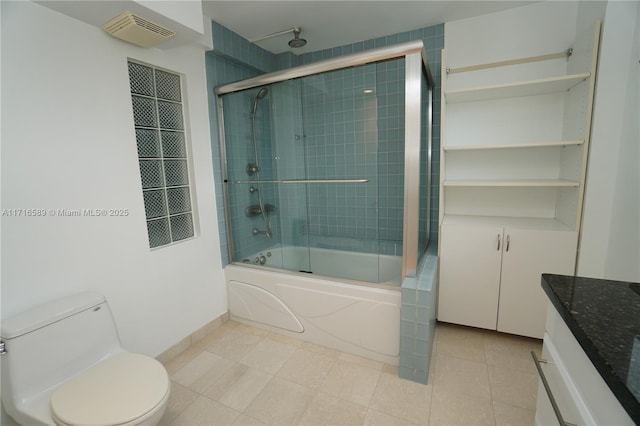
(514, 145)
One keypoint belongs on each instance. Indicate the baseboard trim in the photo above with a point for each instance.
(192, 339)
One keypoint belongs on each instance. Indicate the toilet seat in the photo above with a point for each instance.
(125, 389)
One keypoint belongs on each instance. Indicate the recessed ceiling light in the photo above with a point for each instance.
(367, 91)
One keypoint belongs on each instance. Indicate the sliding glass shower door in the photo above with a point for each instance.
(316, 168)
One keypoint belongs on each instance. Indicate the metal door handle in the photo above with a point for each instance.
(537, 361)
(507, 247)
(499, 239)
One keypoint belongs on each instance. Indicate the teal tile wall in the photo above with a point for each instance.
(234, 58)
(433, 39)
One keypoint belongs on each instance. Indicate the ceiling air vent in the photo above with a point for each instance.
(137, 30)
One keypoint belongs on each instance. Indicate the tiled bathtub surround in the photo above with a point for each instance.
(235, 59)
(418, 320)
(240, 375)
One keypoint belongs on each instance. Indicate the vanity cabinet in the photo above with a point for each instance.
(589, 365)
(490, 272)
(580, 393)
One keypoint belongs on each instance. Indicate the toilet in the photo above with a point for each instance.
(62, 364)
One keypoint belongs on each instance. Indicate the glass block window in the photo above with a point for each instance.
(162, 153)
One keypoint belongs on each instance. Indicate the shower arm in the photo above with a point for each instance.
(290, 30)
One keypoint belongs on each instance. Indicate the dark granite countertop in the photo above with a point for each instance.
(604, 316)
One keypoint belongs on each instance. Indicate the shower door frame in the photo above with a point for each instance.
(416, 65)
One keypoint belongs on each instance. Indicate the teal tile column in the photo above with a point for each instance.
(418, 320)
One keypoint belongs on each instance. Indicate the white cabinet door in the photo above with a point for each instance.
(469, 275)
(527, 254)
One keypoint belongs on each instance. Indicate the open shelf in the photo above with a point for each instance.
(528, 183)
(526, 88)
(514, 145)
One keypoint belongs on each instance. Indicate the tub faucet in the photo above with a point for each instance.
(256, 231)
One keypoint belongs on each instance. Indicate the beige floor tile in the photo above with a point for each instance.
(238, 386)
(402, 398)
(460, 342)
(244, 420)
(269, 355)
(508, 351)
(174, 350)
(376, 418)
(321, 349)
(351, 382)
(286, 339)
(504, 342)
(364, 362)
(180, 398)
(219, 368)
(195, 369)
(390, 369)
(216, 334)
(252, 330)
(513, 387)
(206, 412)
(476, 377)
(432, 368)
(449, 408)
(236, 344)
(307, 368)
(182, 359)
(328, 410)
(462, 376)
(515, 360)
(508, 415)
(281, 402)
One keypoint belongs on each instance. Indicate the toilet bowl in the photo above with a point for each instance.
(64, 365)
(126, 389)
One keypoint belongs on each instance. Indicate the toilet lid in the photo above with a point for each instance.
(117, 391)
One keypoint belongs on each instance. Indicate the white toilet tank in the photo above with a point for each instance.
(50, 344)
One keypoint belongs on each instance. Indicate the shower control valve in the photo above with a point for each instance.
(252, 169)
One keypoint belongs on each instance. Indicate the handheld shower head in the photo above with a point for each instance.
(260, 95)
(296, 41)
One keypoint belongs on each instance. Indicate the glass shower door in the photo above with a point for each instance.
(252, 193)
(340, 119)
(290, 168)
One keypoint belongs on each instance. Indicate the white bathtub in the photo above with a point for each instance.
(367, 267)
(359, 319)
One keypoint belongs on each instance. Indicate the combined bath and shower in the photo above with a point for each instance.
(254, 168)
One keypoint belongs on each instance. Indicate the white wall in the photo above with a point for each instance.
(536, 29)
(610, 240)
(68, 142)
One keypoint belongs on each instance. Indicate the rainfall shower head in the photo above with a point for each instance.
(296, 41)
(260, 95)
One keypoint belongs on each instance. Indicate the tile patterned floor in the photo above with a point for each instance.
(241, 375)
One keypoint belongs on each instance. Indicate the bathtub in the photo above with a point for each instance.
(358, 318)
(366, 267)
